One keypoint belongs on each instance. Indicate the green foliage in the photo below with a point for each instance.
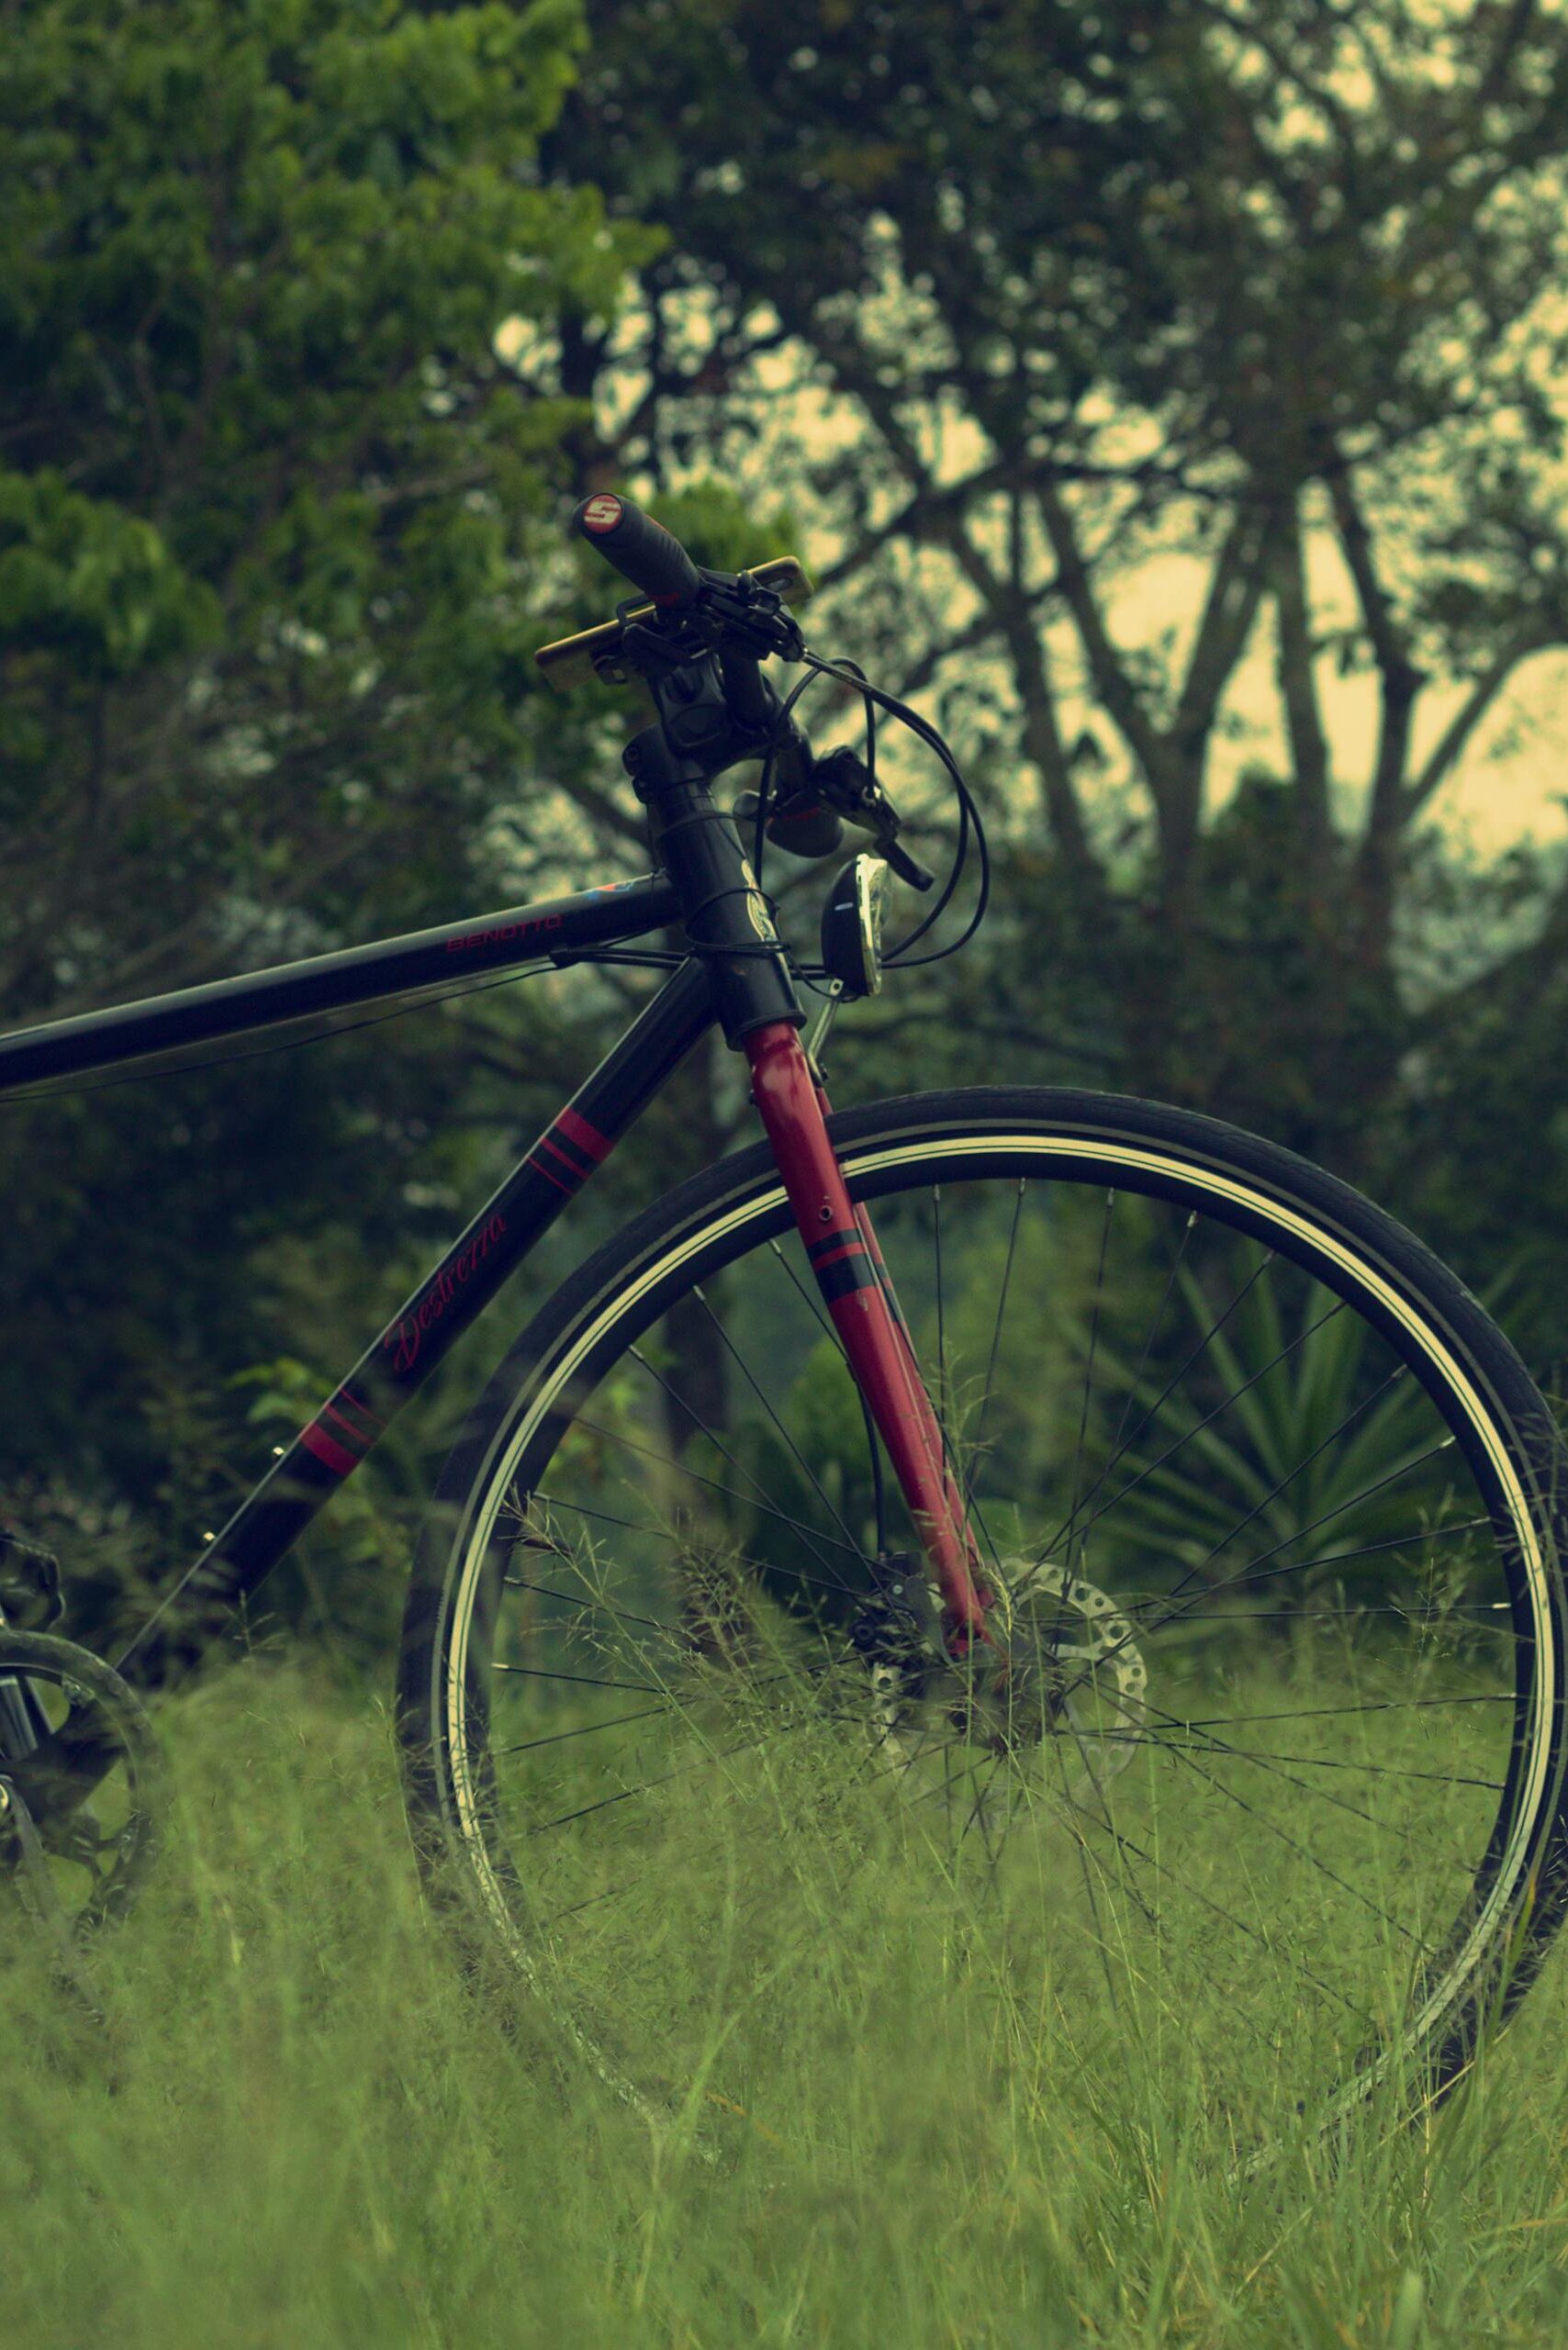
(1310, 1450)
(1080, 285)
(300, 2126)
(278, 532)
(262, 545)
(272, 511)
(91, 581)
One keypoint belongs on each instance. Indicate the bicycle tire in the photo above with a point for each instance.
(1315, 1228)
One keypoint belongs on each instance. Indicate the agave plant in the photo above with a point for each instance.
(1322, 1466)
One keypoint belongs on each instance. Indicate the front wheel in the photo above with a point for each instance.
(1270, 1782)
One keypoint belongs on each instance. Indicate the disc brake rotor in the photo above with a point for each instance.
(1068, 1689)
(1081, 1665)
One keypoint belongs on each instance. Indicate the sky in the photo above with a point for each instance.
(1511, 784)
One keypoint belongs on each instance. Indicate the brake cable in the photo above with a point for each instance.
(969, 816)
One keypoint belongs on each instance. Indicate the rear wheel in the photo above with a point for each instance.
(1271, 1779)
(82, 1793)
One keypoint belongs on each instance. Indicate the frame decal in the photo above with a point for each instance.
(331, 1446)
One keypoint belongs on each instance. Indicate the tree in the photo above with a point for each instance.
(273, 510)
(1095, 282)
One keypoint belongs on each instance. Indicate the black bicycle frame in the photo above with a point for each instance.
(237, 1558)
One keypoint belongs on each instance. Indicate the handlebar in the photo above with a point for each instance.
(641, 550)
(811, 798)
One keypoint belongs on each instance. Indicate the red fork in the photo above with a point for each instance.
(841, 1248)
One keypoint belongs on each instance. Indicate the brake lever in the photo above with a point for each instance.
(731, 615)
(906, 866)
(845, 783)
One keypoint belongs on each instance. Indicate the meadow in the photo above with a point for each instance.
(298, 2123)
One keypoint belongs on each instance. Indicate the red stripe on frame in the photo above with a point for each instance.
(547, 1142)
(849, 1248)
(578, 1129)
(550, 1176)
(316, 1439)
(358, 1406)
(331, 1412)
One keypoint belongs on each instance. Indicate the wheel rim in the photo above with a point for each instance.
(1241, 1208)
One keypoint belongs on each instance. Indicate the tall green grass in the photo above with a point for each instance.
(298, 2127)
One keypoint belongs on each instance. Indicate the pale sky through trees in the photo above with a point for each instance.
(1510, 780)
(1507, 785)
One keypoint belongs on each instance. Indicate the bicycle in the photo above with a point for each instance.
(1174, 1552)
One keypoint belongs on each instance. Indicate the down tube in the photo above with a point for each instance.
(239, 1558)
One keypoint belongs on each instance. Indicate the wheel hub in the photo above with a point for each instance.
(1068, 1684)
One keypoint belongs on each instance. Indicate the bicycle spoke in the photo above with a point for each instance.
(1089, 1373)
(1305, 1566)
(1156, 1321)
(581, 1680)
(1258, 1827)
(1175, 1615)
(1367, 1705)
(813, 1306)
(808, 1533)
(1274, 1829)
(1218, 1909)
(1188, 1434)
(745, 1368)
(1154, 1740)
(1275, 1765)
(943, 1406)
(1064, 1530)
(744, 1501)
(664, 1778)
(588, 1600)
(586, 1729)
(1289, 1479)
(977, 1449)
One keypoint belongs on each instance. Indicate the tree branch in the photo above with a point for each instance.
(1236, 589)
(1401, 680)
(1112, 683)
(924, 515)
(1294, 672)
(1508, 42)
(1041, 735)
(1533, 638)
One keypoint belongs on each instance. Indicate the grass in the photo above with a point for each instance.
(299, 2128)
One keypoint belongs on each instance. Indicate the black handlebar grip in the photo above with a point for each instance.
(641, 550)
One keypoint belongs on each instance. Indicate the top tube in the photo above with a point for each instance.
(541, 934)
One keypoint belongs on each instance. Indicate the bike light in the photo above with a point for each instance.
(852, 925)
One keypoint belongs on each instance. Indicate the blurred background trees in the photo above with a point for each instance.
(1160, 395)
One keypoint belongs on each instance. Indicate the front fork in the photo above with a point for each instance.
(841, 1252)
